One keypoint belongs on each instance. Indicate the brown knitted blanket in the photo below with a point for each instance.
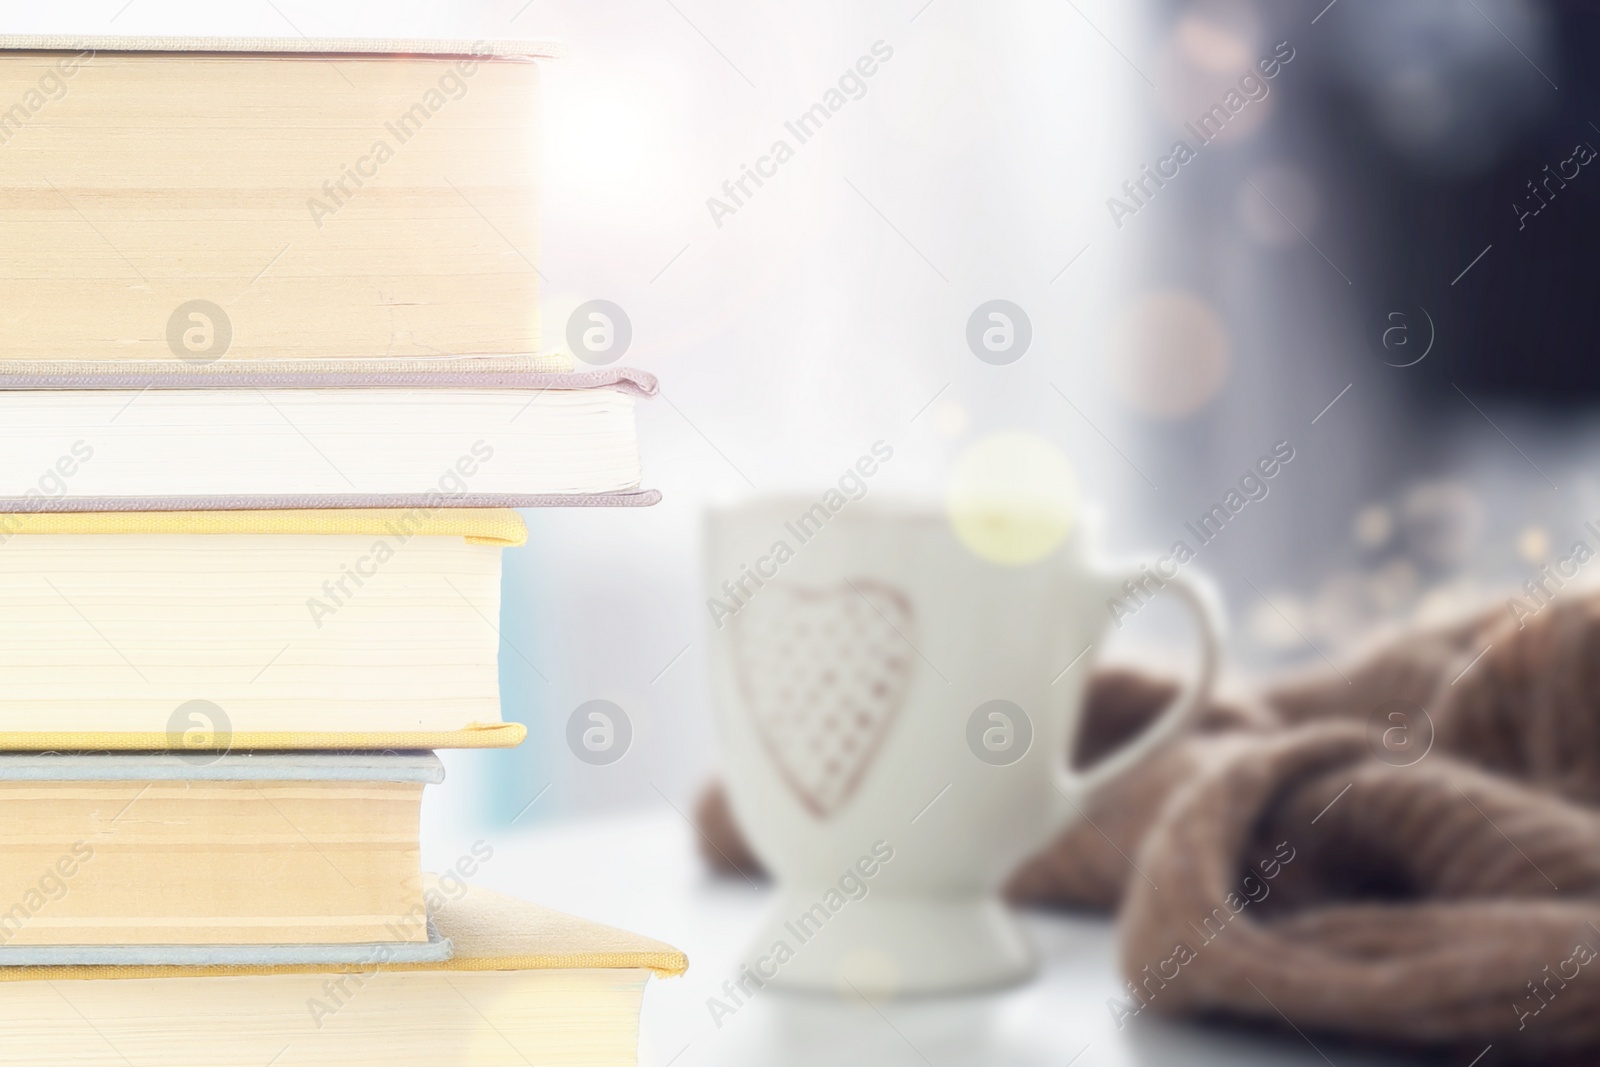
(1306, 855)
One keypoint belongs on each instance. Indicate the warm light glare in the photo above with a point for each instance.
(1012, 498)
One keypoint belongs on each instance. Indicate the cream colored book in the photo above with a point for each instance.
(163, 854)
(253, 629)
(164, 442)
(527, 985)
(209, 202)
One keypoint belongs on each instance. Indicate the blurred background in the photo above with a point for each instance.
(1375, 255)
(1369, 261)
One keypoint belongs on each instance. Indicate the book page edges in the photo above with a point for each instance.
(402, 47)
(484, 526)
(474, 735)
(146, 373)
(491, 932)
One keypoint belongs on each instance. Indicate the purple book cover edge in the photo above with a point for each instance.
(641, 383)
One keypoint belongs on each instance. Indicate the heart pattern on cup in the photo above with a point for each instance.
(824, 673)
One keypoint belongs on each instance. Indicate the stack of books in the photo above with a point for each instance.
(269, 391)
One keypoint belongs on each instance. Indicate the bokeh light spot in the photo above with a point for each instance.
(1171, 354)
(1012, 498)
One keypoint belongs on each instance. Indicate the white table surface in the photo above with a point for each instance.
(642, 873)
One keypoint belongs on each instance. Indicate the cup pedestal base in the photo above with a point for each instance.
(885, 945)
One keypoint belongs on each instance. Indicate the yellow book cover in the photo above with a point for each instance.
(526, 985)
(325, 628)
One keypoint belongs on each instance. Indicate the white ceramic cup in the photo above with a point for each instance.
(895, 714)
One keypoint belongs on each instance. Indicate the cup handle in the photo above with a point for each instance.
(1077, 786)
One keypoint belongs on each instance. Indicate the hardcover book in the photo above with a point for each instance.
(117, 441)
(253, 629)
(526, 985)
(162, 853)
(191, 201)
